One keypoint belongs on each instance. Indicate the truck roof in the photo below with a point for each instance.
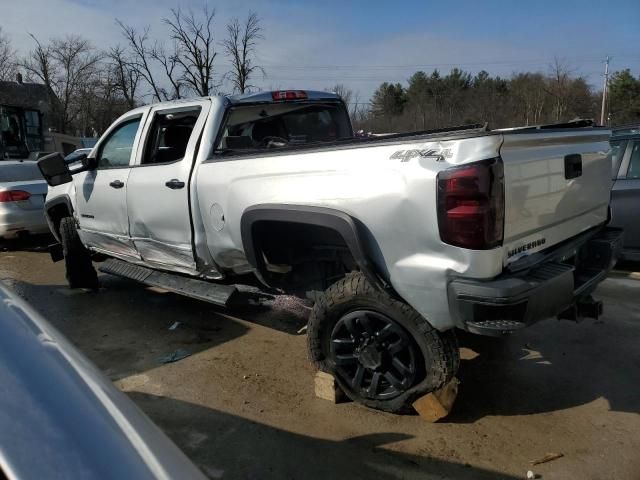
(255, 97)
(267, 96)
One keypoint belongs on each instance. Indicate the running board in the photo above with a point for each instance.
(191, 287)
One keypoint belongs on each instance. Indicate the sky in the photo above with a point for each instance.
(315, 45)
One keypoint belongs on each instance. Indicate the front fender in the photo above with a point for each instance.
(57, 205)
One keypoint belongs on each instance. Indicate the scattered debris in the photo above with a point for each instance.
(245, 377)
(302, 330)
(174, 356)
(530, 475)
(547, 458)
(174, 326)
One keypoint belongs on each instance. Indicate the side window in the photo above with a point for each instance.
(634, 161)
(617, 152)
(116, 150)
(169, 136)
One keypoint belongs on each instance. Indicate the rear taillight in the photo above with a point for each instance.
(14, 196)
(289, 95)
(471, 205)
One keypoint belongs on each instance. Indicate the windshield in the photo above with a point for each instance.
(281, 125)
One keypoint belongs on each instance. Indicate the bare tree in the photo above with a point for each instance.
(528, 97)
(344, 92)
(352, 100)
(240, 46)
(8, 59)
(141, 54)
(39, 63)
(124, 76)
(67, 66)
(559, 86)
(169, 63)
(195, 48)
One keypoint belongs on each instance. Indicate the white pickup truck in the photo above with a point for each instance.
(400, 239)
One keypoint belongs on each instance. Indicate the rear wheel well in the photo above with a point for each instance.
(299, 257)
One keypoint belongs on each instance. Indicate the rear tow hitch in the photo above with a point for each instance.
(584, 308)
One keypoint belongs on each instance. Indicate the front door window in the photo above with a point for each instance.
(116, 151)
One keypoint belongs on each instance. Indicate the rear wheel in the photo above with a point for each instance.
(380, 350)
(77, 259)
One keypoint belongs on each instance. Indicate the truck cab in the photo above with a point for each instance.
(135, 203)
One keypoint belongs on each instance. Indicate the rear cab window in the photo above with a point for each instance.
(256, 128)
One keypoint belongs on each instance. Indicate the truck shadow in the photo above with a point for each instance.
(125, 328)
(229, 446)
(549, 367)
(29, 243)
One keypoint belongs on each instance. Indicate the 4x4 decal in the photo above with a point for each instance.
(406, 155)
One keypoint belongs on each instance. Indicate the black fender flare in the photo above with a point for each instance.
(336, 220)
(49, 205)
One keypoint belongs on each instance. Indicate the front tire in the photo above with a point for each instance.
(382, 352)
(77, 259)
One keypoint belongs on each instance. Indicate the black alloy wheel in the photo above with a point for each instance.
(374, 354)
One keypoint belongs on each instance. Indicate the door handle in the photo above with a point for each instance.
(117, 184)
(174, 184)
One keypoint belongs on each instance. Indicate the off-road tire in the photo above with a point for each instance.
(439, 350)
(77, 259)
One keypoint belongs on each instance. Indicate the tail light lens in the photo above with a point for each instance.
(14, 196)
(471, 205)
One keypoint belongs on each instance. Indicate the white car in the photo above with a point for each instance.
(400, 239)
(22, 196)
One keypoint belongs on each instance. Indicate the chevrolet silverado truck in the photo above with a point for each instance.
(399, 240)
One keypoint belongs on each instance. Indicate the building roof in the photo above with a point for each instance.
(29, 95)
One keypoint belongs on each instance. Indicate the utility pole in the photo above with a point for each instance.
(604, 89)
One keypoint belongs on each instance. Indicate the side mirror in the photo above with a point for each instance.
(54, 169)
(89, 163)
(71, 159)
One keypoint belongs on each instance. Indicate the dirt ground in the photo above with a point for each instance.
(243, 406)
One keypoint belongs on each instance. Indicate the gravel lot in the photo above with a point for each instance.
(242, 405)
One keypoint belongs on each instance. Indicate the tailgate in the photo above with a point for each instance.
(557, 185)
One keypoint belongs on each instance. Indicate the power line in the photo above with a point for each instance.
(546, 61)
